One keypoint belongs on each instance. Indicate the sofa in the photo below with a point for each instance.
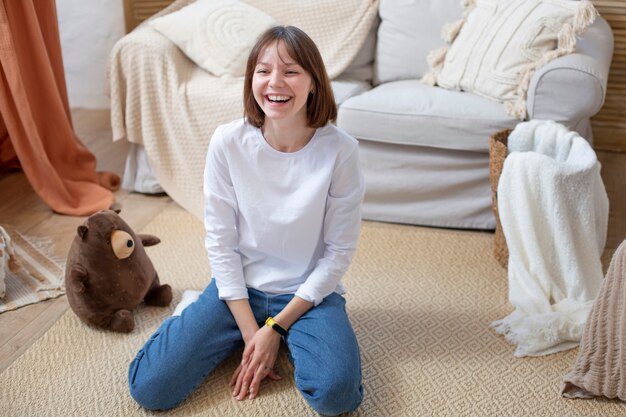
(424, 148)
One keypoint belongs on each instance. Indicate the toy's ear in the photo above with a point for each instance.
(82, 231)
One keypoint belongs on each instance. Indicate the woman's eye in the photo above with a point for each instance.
(261, 71)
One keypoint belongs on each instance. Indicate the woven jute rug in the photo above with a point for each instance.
(420, 299)
(40, 276)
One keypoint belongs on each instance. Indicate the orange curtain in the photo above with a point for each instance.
(36, 127)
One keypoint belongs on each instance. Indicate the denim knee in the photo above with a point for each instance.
(152, 393)
(335, 397)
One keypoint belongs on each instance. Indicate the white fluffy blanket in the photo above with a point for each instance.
(160, 99)
(554, 213)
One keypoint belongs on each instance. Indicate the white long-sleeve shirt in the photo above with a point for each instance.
(281, 223)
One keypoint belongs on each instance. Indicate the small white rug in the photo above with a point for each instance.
(41, 275)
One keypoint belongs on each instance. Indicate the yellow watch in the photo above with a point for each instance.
(277, 327)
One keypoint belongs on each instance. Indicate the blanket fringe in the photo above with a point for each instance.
(541, 334)
(44, 245)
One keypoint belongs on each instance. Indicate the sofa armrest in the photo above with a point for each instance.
(572, 88)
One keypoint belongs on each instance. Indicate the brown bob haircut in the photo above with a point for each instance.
(320, 105)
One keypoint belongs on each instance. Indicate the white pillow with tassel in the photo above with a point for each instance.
(499, 44)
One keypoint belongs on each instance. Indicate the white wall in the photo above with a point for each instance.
(89, 29)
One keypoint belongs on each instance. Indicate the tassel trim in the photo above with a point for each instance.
(449, 32)
(436, 57)
(585, 16)
(468, 3)
(430, 78)
(468, 6)
(435, 60)
(566, 43)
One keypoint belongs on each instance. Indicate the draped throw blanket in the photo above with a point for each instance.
(162, 100)
(600, 369)
(554, 213)
(36, 132)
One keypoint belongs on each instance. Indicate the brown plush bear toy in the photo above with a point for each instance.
(108, 273)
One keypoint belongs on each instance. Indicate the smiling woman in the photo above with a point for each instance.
(281, 89)
(283, 191)
(296, 63)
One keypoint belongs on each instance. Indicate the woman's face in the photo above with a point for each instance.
(281, 86)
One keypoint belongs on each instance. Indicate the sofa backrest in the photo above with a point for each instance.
(408, 31)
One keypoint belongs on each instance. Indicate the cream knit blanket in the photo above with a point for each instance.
(554, 213)
(160, 99)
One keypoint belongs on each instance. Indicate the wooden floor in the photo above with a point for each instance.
(21, 208)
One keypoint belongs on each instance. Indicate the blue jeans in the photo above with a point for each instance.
(185, 349)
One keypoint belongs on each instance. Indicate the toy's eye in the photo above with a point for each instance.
(122, 243)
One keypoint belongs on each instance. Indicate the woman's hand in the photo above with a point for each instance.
(257, 363)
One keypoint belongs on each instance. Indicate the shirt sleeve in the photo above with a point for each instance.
(342, 225)
(220, 221)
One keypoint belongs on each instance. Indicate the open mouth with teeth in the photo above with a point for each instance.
(277, 99)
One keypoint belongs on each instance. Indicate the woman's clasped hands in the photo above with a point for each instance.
(259, 356)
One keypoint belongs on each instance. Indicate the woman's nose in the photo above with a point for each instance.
(276, 79)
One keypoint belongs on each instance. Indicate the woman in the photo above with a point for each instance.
(283, 193)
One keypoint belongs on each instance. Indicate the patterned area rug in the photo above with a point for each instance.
(420, 299)
(41, 275)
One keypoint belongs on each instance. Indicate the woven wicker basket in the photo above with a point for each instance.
(497, 155)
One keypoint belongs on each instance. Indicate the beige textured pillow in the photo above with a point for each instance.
(496, 48)
(216, 34)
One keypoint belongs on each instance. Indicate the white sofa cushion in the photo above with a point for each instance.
(408, 31)
(503, 42)
(344, 88)
(412, 113)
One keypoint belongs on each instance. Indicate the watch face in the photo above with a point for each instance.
(279, 329)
